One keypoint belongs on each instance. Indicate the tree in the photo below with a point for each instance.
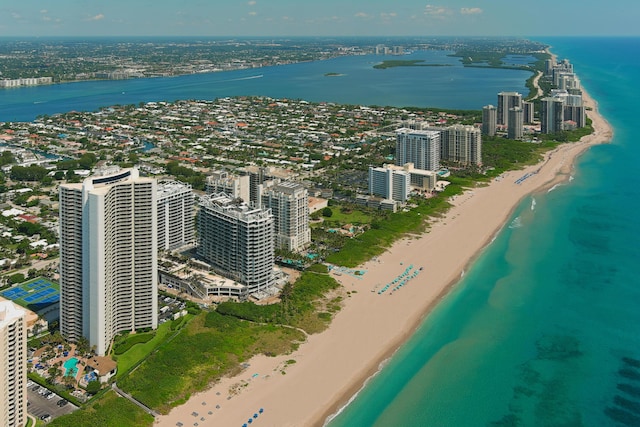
(327, 212)
(93, 387)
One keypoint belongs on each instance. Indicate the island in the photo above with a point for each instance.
(406, 63)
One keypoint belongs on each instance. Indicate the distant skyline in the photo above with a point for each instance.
(318, 18)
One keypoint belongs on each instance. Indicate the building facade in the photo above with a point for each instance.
(551, 114)
(13, 365)
(461, 144)
(390, 182)
(289, 204)
(237, 241)
(489, 120)
(176, 215)
(108, 256)
(235, 186)
(420, 147)
(516, 123)
(507, 100)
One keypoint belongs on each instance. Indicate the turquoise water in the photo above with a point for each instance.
(543, 330)
(70, 368)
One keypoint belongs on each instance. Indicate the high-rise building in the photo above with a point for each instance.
(420, 147)
(235, 186)
(489, 120)
(507, 100)
(461, 144)
(237, 241)
(108, 256)
(13, 365)
(289, 204)
(516, 123)
(176, 215)
(576, 114)
(527, 112)
(551, 114)
(391, 182)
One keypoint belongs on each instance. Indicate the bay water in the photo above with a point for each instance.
(544, 329)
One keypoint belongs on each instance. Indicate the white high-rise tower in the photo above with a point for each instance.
(13, 365)
(108, 256)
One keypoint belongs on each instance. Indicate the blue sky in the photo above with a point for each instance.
(319, 17)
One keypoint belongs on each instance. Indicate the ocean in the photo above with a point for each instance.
(543, 330)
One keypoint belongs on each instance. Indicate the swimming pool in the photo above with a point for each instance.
(70, 369)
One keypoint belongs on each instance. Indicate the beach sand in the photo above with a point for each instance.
(332, 366)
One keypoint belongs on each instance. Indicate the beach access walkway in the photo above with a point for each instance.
(134, 401)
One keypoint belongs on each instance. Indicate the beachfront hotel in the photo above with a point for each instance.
(13, 365)
(176, 215)
(507, 100)
(420, 147)
(108, 256)
(237, 241)
(289, 204)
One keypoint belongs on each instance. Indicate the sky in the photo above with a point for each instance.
(318, 18)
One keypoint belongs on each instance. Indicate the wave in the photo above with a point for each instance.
(570, 178)
(533, 203)
(259, 76)
(516, 223)
(355, 395)
(553, 188)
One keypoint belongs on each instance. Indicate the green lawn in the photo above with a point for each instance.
(109, 411)
(139, 351)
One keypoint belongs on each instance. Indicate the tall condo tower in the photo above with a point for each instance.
(13, 365)
(507, 100)
(551, 114)
(489, 120)
(237, 241)
(108, 256)
(176, 215)
(420, 147)
(516, 123)
(461, 144)
(289, 204)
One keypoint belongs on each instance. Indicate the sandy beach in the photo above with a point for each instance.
(305, 387)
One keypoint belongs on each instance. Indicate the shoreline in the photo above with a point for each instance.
(331, 367)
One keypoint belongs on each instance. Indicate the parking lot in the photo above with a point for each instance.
(40, 404)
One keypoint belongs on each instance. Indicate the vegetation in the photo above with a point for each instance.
(299, 304)
(110, 411)
(139, 352)
(210, 346)
(130, 340)
(405, 63)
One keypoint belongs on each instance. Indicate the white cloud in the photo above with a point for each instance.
(252, 3)
(362, 15)
(16, 15)
(253, 13)
(470, 10)
(385, 15)
(44, 11)
(97, 17)
(46, 18)
(432, 10)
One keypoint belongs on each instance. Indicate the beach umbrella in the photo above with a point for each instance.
(255, 415)
(261, 410)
